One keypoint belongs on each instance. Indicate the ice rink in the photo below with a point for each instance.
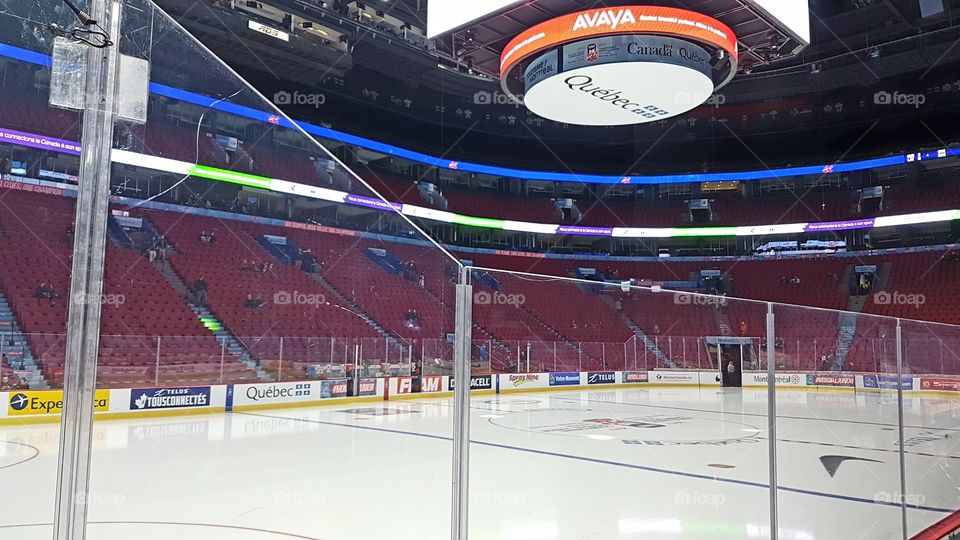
(638, 463)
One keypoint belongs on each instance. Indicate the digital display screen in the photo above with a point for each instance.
(794, 15)
(446, 15)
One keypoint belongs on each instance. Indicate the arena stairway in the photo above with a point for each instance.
(504, 351)
(649, 344)
(344, 301)
(14, 346)
(234, 346)
(848, 329)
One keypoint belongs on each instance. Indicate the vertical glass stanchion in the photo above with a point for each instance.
(83, 323)
(772, 419)
(462, 374)
(901, 451)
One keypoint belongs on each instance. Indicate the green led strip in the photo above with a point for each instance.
(472, 221)
(233, 177)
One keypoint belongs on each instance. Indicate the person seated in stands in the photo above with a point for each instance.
(40, 292)
(795, 280)
(22, 384)
(743, 328)
(45, 292)
(70, 235)
(204, 237)
(255, 303)
(247, 266)
(413, 319)
(5, 383)
(212, 237)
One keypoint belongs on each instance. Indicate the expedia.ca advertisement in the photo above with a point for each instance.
(37, 402)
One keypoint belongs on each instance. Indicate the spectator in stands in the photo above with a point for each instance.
(254, 303)
(200, 288)
(205, 238)
(743, 328)
(5, 383)
(618, 305)
(45, 292)
(160, 246)
(656, 329)
(70, 235)
(22, 384)
(247, 266)
(413, 319)
(423, 281)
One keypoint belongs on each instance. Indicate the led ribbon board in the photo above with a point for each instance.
(341, 197)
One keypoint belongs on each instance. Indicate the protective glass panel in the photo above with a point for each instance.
(37, 141)
(619, 388)
(248, 270)
(931, 380)
(836, 429)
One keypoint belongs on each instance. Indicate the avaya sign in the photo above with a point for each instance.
(662, 21)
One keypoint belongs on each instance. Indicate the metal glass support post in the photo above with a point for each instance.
(772, 419)
(903, 466)
(461, 409)
(86, 283)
